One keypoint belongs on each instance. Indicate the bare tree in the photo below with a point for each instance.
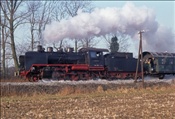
(62, 45)
(44, 18)
(0, 44)
(72, 7)
(66, 9)
(40, 15)
(14, 19)
(6, 50)
(87, 42)
(33, 8)
(4, 37)
(5, 44)
(59, 11)
(122, 40)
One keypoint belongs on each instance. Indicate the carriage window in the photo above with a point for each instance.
(170, 61)
(163, 61)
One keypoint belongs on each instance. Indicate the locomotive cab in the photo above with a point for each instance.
(94, 56)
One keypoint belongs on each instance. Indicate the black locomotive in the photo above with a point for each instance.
(87, 63)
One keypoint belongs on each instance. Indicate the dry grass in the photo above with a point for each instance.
(143, 103)
(14, 80)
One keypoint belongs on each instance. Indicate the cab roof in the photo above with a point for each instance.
(93, 49)
(158, 54)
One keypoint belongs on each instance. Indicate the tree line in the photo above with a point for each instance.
(34, 16)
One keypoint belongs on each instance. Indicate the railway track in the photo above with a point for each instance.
(54, 87)
(168, 79)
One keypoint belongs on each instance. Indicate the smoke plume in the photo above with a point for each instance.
(127, 20)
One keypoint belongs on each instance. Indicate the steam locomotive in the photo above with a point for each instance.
(91, 63)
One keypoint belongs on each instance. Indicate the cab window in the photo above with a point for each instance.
(95, 54)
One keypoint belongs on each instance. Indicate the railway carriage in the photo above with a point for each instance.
(160, 64)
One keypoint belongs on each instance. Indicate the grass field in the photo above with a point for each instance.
(157, 102)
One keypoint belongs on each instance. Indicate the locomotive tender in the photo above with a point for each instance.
(87, 63)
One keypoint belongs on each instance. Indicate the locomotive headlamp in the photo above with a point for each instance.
(33, 68)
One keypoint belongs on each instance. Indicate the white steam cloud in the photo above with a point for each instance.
(128, 20)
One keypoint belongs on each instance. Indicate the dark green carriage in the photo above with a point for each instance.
(159, 63)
